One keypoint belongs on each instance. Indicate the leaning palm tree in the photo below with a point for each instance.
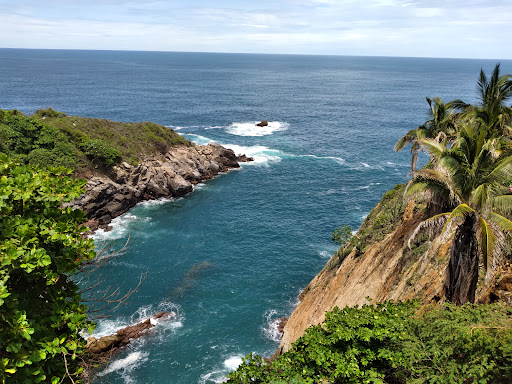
(472, 179)
(440, 126)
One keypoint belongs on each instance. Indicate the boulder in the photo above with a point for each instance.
(264, 123)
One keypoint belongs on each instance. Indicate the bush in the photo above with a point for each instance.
(49, 112)
(394, 343)
(99, 150)
(41, 316)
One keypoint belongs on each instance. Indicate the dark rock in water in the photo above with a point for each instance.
(172, 175)
(111, 343)
(244, 159)
(282, 322)
(264, 123)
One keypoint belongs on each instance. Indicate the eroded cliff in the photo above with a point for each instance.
(381, 263)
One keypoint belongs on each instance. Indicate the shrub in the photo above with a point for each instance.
(41, 316)
(99, 150)
(395, 343)
(49, 112)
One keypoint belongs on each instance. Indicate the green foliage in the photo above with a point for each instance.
(341, 235)
(52, 139)
(393, 343)
(101, 151)
(382, 220)
(49, 112)
(40, 246)
(33, 142)
(133, 140)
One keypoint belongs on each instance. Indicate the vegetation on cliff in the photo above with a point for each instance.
(394, 343)
(41, 246)
(52, 139)
(460, 205)
(467, 181)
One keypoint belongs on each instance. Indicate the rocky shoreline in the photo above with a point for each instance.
(170, 175)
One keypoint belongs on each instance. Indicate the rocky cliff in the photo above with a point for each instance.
(382, 264)
(170, 175)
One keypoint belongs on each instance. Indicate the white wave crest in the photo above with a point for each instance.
(251, 129)
(156, 202)
(216, 376)
(197, 139)
(126, 365)
(339, 160)
(324, 254)
(105, 327)
(119, 228)
(262, 155)
(233, 362)
(270, 329)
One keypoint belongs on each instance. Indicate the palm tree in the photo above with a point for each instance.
(441, 126)
(492, 113)
(473, 179)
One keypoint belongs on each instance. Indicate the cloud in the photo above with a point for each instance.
(448, 28)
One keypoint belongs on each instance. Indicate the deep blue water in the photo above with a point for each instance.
(232, 256)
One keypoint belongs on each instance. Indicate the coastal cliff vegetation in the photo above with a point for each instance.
(43, 207)
(53, 139)
(453, 218)
(442, 239)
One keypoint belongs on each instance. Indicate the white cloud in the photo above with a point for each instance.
(442, 28)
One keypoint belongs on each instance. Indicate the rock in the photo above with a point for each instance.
(282, 322)
(264, 123)
(111, 343)
(173, 175)
(244, 159)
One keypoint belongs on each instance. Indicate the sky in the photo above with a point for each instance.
(415, 28)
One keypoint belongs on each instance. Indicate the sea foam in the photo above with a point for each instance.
(270, 329)
(127, 364)
(197, 139)
(251, 129)
(262, 155)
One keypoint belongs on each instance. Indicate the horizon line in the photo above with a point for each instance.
(252, 53)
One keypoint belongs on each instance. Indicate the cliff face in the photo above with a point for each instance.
(388, 269)
(171, 175)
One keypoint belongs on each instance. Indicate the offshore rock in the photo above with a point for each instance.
(111, 343)
(264, 123)
(171, 175)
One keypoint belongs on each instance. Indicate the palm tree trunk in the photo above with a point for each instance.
(460, 286)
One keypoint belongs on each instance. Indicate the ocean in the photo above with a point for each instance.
(232, 257)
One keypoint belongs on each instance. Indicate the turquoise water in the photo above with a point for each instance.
(232, 257)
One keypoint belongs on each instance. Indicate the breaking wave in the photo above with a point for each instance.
(251, 129)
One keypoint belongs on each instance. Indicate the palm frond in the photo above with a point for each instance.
(432, 224)
(432, 146)
(500, 222)
(409, 137)
(502, 173)
(501, 204)
(488, 244)
(457, 216)
(479, 196)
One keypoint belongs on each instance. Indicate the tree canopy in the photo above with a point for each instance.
(41, 246)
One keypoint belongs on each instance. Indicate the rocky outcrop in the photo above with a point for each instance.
(172, 175)
(388, 270)
(111, 343)
(264, 123)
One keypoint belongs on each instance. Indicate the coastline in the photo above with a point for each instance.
(169, 176)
